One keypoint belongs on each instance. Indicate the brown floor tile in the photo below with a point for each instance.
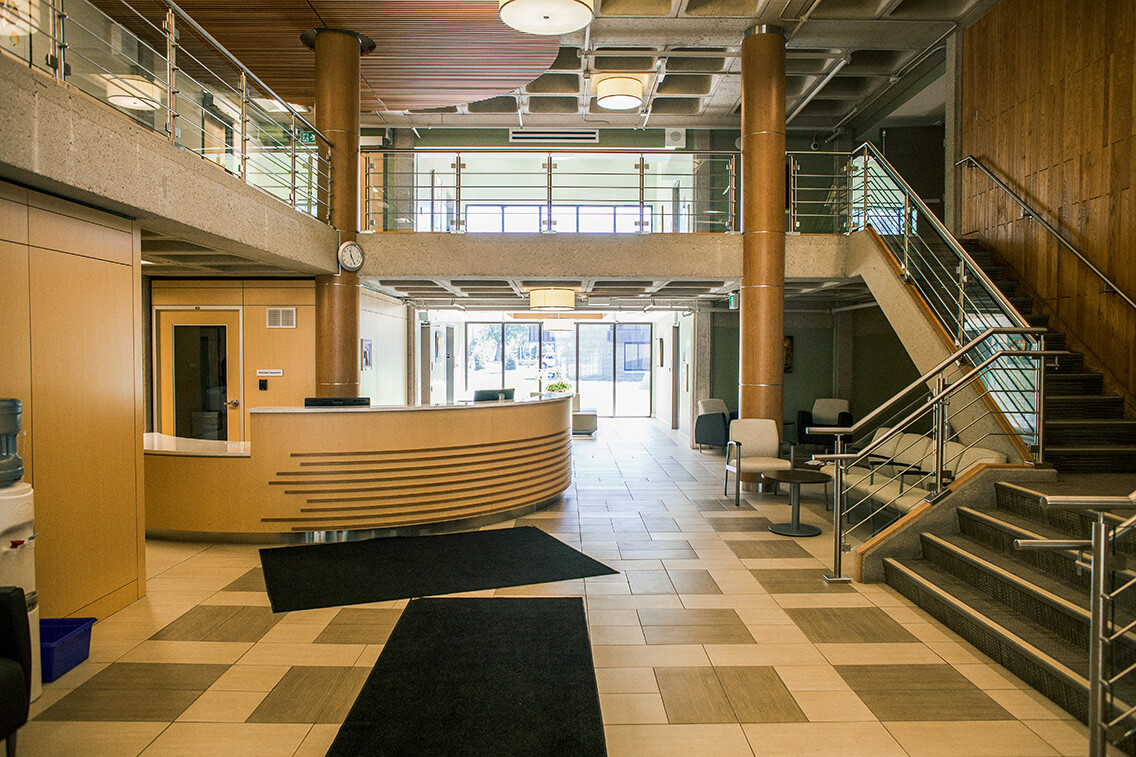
(156, 675)
(694, 695)
(798, 582)
(758, 695)
(740, 523)
(946, 704)
(717, 634)
(223, 623)
(311, 695)
(251, 581)
(353, 625)
(689, 617)
(765, 548)
(127, 705)
(649, 582)
(855, 625)
(694, 582)
(897, 677)
(710, 505)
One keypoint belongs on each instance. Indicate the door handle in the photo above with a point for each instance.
(233, 403)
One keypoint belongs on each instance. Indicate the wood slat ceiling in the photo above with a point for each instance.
(445, 52)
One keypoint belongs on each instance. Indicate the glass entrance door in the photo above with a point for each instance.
(613, 368)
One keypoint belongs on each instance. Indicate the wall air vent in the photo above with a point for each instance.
(281, 318)
(545, 136)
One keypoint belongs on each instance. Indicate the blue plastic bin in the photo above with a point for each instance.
(63, 644)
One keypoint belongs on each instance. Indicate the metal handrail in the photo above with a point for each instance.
(946, 362)
(1102, 727)
(956, 248)
(1032, 213)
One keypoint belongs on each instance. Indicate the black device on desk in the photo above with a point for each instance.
(337, 401)
(492, 395)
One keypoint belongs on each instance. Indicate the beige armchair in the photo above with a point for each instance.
(752, 448)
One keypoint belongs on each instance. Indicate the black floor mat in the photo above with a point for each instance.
(402, 567)
(494, 677)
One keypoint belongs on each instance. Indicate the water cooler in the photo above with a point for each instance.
(17, 530)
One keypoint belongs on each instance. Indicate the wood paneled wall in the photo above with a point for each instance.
(1048, 105)
(70, 350)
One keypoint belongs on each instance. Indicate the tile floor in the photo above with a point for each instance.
(716, 638)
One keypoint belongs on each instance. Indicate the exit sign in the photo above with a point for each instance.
(307, 137)
(733, 300)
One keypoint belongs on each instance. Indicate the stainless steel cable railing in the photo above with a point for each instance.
(217, 109)
(1107, 555)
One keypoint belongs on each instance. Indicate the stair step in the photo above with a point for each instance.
(1074, 362)
(998, 530)
(1083, 406)
(1054, 340)
(1096, 459)
(1041, 658)
(1008, 287)
(1073, 383)
(1020, 507)
(1071, 432)
(1023, 305)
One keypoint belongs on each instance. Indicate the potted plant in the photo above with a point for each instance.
(554, 383)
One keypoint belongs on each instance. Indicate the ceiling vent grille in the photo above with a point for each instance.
(545, 136)
(281, 318)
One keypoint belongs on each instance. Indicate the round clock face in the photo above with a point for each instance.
(351, 256)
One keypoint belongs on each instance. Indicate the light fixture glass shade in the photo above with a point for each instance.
(619, 93)
(552, 299)
(547, 16)
(133, 92)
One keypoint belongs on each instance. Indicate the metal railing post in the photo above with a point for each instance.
(244, 127)
(642, 166)
(548, 188)
(1039, 408)
(962, 302)
(171, 75)
(732, 195)
(793, 222)
(1098, 649)
(906, 232)
(292, 190)
(459, 223)
(939, 431)
(838, 515)
(60, 44)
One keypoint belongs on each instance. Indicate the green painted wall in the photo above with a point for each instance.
(811, 377)
(880, 369)
(724, 368)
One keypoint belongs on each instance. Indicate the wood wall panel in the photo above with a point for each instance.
(15, 341)
(1048, 105)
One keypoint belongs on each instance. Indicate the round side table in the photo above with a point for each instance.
(794, 478)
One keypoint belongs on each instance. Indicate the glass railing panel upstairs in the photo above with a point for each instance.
(174, 80)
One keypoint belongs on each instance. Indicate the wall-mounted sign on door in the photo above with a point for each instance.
(267, 372)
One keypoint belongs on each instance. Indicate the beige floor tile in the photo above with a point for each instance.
(699, 740)
(656, 656)
(624, 709)
(822, 740)
(76, 676)
(739, 581)
(878, 654)
(764, 654)
(627, 681)
(1028, 704)
(636, 602)
(369, 656)
(45, 739)
(625, 634)
(47, 698)
(811, 678)
(222, 707)
(833, 706)
(293, 633)
(206, 652)
(320, 616)
(245, 739)
(1005, 738)
(991, 677)
(764, 616)
(735, 601)
(318, 740)
(250, 678)
(767, 634)
(1069, 737)
(957, 653)
(245, 598)
(302, 654)
(613, 618)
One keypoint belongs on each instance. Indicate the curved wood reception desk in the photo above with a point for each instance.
(332, 469)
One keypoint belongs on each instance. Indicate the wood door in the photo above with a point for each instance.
(199, 374)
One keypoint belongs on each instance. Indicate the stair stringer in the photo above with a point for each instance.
(925, 341)
(901, 539)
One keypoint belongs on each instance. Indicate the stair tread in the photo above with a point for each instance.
(1024, 523)
(1074, 657)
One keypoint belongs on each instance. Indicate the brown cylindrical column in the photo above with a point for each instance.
(762, 302)
(337, 297)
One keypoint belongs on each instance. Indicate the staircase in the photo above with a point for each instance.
(1028, 610)
(1085, 429)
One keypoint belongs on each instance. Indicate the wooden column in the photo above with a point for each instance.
(337, 297)
(763, 223)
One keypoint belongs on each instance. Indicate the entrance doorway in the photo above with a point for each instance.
(613, 367)
(198, 382)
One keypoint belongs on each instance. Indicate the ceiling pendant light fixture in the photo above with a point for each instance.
(547, 17)
(132, 92)
(552, 299)
(619, 93)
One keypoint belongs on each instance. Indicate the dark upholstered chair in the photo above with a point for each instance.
(15, 664)
(825, 412)
(712, 425)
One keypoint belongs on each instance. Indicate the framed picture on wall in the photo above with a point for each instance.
(788, 354)
(365, 354)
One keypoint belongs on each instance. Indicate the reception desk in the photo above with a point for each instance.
(332, 469)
